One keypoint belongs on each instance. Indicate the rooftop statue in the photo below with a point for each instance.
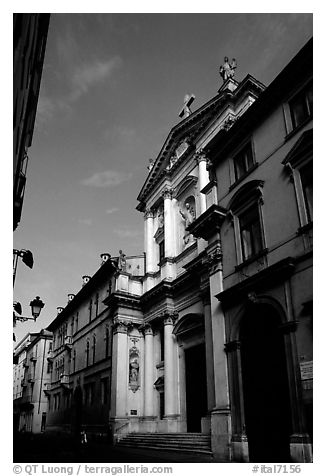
(150, 164)
(122, 262)
(227, 69)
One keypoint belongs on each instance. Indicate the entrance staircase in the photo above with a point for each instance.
(195, 443)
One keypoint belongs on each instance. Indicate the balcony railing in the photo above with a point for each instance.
(64, 379)
(68, 342)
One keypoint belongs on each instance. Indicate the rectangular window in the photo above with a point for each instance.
(243, 161)
(301, 106)
(161, 250)
(250, 232)
(306, 181)
(89, 394)
(105, 391)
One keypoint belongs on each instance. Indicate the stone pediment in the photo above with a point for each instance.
(183, 136)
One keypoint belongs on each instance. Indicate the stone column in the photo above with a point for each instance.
(149, 370)
(169, 380)
(168, 223)
(220, 415)
(209, 352)
(149, 241)
(203, 177)
(240, 447)
(119, 377)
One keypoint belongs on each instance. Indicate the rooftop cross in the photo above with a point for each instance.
(188, 100)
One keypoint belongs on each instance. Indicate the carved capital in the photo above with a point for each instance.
(149, 213)
(120, 326)
(200, 156)
(167, 193)
(170, 318)
(214, 259)
(228, 123)
(146, 329)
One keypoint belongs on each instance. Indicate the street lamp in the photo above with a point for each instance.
(36, 306)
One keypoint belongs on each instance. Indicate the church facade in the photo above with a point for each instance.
(223, 341)
(213, 334)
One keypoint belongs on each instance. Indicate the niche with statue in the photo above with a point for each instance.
(134, 369)
(187, 210)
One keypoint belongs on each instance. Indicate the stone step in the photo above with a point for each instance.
(180, 442)
(205, 451)
(176, 436)
(177, 444)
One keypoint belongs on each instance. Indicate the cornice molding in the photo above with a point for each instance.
(277, 272)
(208, 223)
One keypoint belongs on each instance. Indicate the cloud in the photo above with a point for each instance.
(108, 178)
(121, 133)
(85, 221)
(77, 70)
(127, 232)
(45, 109)
(89, 74)
(109, 211)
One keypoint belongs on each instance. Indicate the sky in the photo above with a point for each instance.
(111, 90)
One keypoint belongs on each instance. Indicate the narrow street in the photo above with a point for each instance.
(50, 448)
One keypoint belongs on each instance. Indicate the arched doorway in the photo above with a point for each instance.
(265, 385)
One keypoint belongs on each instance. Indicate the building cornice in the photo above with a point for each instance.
(277, 272)
(101, 275)
(207, 224)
